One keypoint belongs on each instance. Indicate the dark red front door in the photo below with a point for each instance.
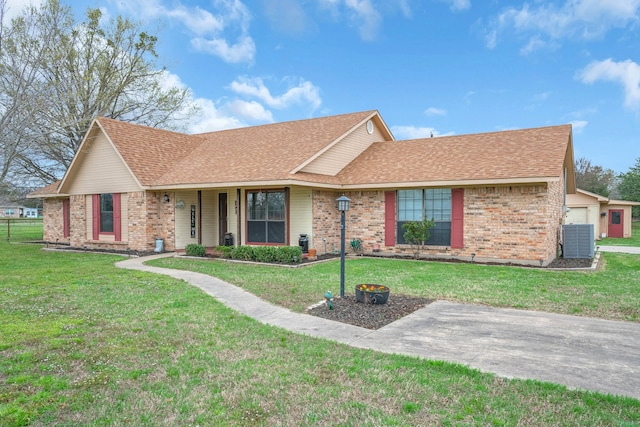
(616, 223)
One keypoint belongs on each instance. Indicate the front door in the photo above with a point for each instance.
(616, 223)
(222, 217)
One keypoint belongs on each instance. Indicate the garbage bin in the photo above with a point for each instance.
(159, 245)
(303, 242)
(228, 239)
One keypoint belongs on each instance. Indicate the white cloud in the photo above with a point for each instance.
(234, 113)
(433, 111)
(15, 7)
(578, 125)
(211, 29)
(457, 5)
(211, 118)
(362, 13)
(368, 17)
(583, 19)
(303, 93)
(414, 132)
(542, 96)
(534, 44)
(626, 73)
(286, 16)
(252, 111)
(243, 51)
(468, 96)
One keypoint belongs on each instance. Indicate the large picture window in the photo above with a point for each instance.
(433, 204)
(266, 215)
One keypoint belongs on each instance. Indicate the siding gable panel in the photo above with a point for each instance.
(344, 151)
(101, 170)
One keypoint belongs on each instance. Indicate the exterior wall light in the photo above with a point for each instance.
(166, 198)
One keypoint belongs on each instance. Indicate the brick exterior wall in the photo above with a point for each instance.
(149, 217)
(78, 220)
(518, 224)
(52, 220)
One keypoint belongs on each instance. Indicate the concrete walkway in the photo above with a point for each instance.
(620, 249)
(579, 352)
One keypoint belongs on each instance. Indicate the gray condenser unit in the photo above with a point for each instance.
(578, 241)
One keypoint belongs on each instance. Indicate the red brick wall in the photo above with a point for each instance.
(149, 217)
(501, 224)
(518, 223)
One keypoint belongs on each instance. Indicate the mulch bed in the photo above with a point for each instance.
(370, 316)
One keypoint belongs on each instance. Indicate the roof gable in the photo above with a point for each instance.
(342, 151)
(147, 151)
(98, 167)
(259, 153)
(527, 155)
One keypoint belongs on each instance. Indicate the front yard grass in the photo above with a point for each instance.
(609, 293)
(84, 343)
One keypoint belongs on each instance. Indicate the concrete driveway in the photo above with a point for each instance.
(579, 352)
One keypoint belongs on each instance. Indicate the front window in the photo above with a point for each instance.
(432, 204)
(106, 213)
(266, 217)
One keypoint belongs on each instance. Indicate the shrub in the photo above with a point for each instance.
(289, 254)
(225, 251)
(265, 253)
(281, 254)
(417, 233)
(243, 253)
(194, 249)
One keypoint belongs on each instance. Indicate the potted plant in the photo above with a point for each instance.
(372, 294)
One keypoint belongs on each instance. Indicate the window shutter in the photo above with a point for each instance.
(457, 218)
(390, 218)
(65, 219)
(287, 218)
(117, 217)
(95, 209)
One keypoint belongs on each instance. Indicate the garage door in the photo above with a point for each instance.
(577, 216)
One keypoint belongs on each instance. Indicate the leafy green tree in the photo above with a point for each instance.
(57, 75)
(629, 186)
(417, 233)
(594, 178)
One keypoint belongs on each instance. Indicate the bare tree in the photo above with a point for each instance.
(57, 76)
(594, 178)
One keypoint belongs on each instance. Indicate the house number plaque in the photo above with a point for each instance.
(193, 221)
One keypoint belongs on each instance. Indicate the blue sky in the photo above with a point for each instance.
(428, 66)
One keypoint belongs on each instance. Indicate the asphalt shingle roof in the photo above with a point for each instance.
(270, 152)
(513, 154)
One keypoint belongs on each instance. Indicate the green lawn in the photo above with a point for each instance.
(634, 240)
(84, 343)
(19, 230)
(609, 293)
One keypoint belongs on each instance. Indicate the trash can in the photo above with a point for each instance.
(159, 245)
(228, 239)
(303, 242)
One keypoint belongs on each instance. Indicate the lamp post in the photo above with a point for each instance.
(343, 206)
